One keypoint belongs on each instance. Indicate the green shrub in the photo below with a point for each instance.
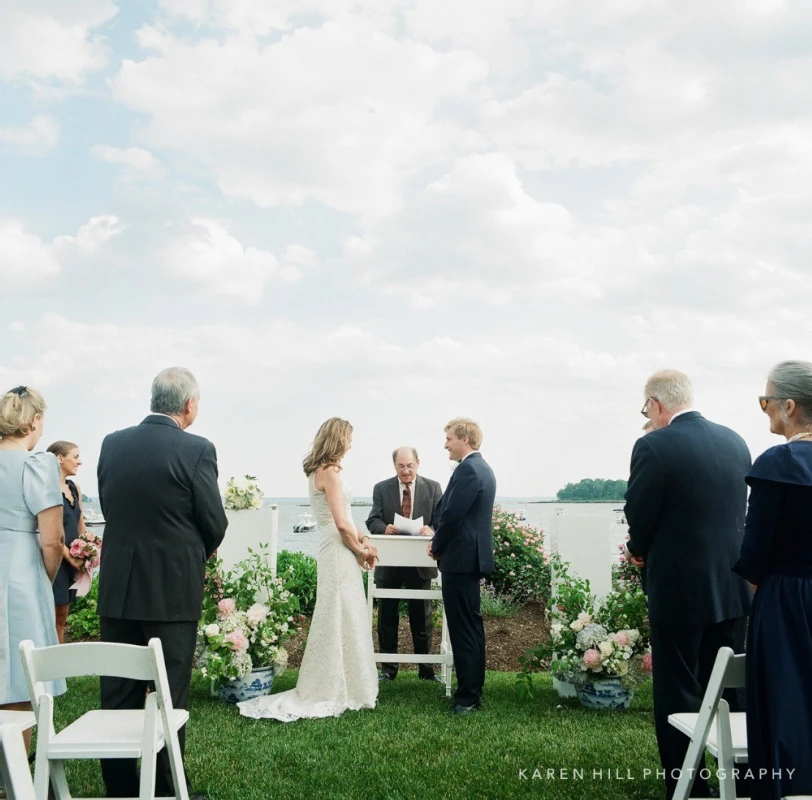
(495, 605)
(521, 567)
(298, 573)
(83, 619)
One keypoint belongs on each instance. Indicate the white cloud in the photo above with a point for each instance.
(35, 138)
(134, 158)
(211, 259)
(25, 260)
(92, 236)
(51, 41)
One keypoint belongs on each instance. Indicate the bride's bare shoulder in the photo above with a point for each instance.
(326, 475)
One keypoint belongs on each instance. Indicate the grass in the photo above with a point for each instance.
(408, 747)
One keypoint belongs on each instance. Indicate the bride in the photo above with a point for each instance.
(338, 668)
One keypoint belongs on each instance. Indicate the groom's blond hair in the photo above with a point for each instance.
(466, 427)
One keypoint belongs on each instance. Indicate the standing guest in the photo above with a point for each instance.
(67, 454)
(164, 518)
(685, 507)
(776, 555)
(463, 548)
(412, 496)
(30, 501)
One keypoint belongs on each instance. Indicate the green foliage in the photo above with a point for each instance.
(521, 567)
(298, 573)
(496, 605)
(593, 490)
(83, 619)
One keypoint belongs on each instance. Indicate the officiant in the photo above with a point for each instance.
(411, 496)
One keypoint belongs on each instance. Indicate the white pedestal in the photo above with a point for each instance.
(410, 551)
(250, 528)
(584, 542)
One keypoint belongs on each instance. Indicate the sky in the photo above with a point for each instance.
(403, 212)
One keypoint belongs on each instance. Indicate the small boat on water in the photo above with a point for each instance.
(92, 517)
(520, 514)
(305, 523)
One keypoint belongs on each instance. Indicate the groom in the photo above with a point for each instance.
(463, 548)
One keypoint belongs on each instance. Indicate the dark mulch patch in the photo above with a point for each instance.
(506, 638)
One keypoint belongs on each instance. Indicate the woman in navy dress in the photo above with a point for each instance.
(30, 542)
(776, 557)
(67, 454)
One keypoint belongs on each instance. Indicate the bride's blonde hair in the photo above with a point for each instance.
(331, 443)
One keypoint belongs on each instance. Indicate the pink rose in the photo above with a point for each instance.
(226, 606)
(237, 641)
(647, 665)
(622, 638)
(592, 658)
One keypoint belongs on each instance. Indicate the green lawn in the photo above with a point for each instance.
(409, 747)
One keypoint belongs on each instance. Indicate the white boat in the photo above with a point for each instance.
(520, 514)
(92, 517)
(305, 523)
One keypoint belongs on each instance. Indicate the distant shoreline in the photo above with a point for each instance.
(563, 502)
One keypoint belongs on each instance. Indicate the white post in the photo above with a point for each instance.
(274, 542)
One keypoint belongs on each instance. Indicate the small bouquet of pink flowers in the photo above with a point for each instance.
(86, 549)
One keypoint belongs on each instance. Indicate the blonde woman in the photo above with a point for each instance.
(31, 542)
(67, 455)
(338, 670)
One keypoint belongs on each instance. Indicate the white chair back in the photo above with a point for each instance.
(14, 764)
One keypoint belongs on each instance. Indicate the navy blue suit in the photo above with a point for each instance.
(685, 505)
(464, 544)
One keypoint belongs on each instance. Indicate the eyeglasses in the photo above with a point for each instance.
(644, 409)
(20, 391)
(765, 398)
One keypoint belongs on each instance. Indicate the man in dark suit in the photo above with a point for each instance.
(685, 506)
(164, 518)
(463, 548)
(412, 496)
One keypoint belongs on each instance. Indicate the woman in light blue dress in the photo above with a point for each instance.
(31, 538)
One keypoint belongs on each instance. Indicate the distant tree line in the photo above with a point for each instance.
(593, 490)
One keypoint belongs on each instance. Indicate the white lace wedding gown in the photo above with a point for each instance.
(338, 669)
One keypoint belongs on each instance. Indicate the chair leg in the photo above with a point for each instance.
(726, 765)
(176, 766)
(42, 775)
(59, 781)
(149, 761)
(690, 767)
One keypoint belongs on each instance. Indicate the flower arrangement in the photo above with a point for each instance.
(589, 641)
(243, 493)
(521, 566)
(85, 548)
(624, 574)
(247, 615)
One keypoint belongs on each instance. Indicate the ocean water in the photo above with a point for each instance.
(539, 515)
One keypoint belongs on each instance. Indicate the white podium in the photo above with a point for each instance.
(410, 551)
(250, 528)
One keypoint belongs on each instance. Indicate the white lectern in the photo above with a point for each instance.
(410, 551)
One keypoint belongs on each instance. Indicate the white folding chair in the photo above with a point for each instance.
(714, 728)
(14, 763)
(105, 733)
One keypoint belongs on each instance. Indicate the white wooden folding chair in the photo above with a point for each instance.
(104, 733)
(715, 729)
(14, 763)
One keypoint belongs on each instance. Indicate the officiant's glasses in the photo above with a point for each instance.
(765, 398)
(644, 409)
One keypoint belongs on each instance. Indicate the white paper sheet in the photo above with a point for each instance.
(410, 526)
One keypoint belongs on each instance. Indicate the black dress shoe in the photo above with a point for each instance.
(431, 678)
(464, 709)
(385, 676)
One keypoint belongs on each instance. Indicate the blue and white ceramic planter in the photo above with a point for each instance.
(605, 694)
(256, 683)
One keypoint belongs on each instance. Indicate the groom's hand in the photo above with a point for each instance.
(430, 552)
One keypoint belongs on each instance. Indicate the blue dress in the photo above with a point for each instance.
(29, 483)
(776, 555)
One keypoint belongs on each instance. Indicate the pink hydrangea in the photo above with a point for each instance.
(592, 658)
(237, 641)
(647, 665)
(226, 606)
(622, 638)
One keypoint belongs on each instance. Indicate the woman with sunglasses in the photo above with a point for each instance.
(31, 539)
(776, 557)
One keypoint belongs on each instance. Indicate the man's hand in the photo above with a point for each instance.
(425, 531)
(390, 530)
(430, 552)
(635, 561)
